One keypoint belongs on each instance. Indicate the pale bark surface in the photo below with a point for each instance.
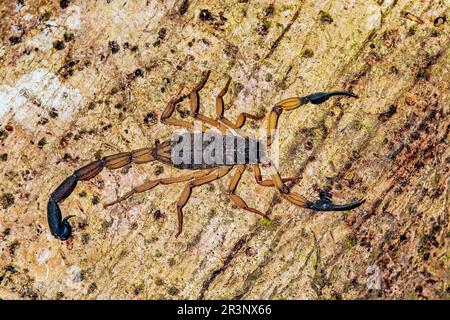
(78, 82)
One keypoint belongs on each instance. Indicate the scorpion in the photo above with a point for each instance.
(203, 172)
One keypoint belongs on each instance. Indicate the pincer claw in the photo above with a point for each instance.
(320, 97)
(327, 205)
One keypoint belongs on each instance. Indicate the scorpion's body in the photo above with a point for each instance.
(232, 150)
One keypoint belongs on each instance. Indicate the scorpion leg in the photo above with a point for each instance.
(168, 112)
(153, 183)
(240, 121)
(194, 98)
(60, 228)
(268, 182)
(184, 197)
(323, 204)
(294, 103)
(231, 190)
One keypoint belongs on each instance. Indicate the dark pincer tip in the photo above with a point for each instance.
(320, 97)
(327, 205)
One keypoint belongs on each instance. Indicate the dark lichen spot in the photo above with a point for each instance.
(53, 113)
(13, 247)
(157, 214)
(69, 37)
(138, 289)
(4, 157)
(125, 170)
(158, 170)
(3, 135)
(59, 295)
(95, 200)
(58, 45)
(423, 74)
(325, 17)
(159, 282)
(114, 47)
(85, 238)
(435, 33)
(173, 291)
(411, 32)
(205, 15)
(42, 143)
(162, 33)
(42, 121)
(138, 73)
(263, 27)
(107, 224)
(92, 288)
(184, 113)
(150, 118)
(98, 154)
(307, 53)
(83, 194)
(27, 175)
(439, 21)
(45, 17)
(415, 135)
(14, 40)
(7, 200)
(250, 252)
(91, 105)
(7, 232)
(64, 3)
(119, 105)
(268, 11)
(183, 7)
(238, 87)
(389, 113)
(171, 262)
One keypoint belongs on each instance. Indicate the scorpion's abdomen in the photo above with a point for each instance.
(208, 150)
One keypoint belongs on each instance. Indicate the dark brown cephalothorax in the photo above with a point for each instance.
(211, 149)
(206, 155)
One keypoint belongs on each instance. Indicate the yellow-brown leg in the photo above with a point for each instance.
(184, 197)
(268, 182)
(231, 190)
(194, 98)
(286, 193)
(168, 112)
(153, 183)
(240, 121)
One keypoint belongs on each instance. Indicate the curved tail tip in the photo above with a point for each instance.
(327, 205)
(351, 94)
